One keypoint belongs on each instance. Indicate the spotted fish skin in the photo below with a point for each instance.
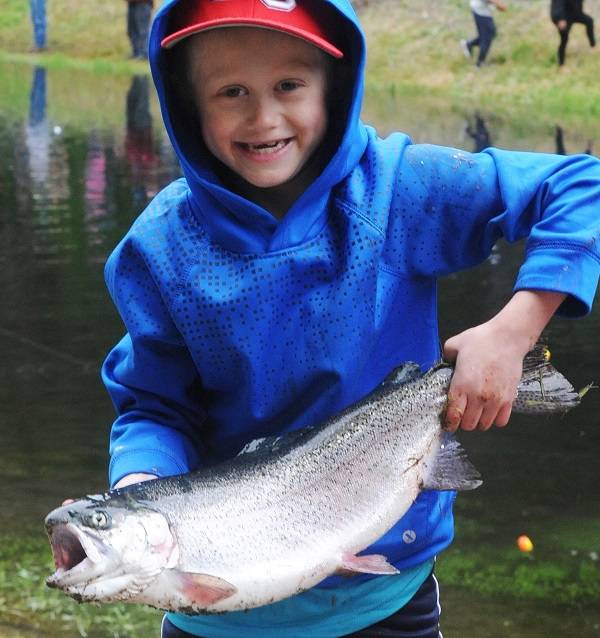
(282, 515)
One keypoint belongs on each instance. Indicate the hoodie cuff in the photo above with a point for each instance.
(147, 461)
(568, 270)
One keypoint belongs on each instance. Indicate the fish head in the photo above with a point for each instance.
(107, 549)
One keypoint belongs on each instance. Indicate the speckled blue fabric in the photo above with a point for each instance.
(239, 326)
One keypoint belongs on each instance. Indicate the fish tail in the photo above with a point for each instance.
(542, 388)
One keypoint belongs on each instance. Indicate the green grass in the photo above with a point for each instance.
(27, 606)
(413, 48)
(563, 567)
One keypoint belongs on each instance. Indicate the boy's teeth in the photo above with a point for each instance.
(269, 147)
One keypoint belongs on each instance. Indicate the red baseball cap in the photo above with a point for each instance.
(289, 16)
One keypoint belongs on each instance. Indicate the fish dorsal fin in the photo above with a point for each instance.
(407, 372)
(451, 469)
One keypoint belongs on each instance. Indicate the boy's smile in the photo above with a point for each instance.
(261, 97)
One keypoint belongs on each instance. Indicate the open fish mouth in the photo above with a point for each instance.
(74, 555)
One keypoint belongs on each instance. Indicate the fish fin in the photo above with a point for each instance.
(405, 373)
(202, 589)
(369, 564)
(452, 470)
(542, 388)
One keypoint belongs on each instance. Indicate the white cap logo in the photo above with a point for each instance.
(280, 5)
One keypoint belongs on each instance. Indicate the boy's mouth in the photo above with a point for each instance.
(264, 148)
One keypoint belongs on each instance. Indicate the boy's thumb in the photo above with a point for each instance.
(450, 350)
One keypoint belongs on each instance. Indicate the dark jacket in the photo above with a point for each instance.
(568, 10)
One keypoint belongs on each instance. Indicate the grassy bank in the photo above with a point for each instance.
(413, 50)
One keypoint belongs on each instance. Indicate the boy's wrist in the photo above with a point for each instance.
(525, 316)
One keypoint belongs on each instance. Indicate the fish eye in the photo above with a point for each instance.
(99, 519)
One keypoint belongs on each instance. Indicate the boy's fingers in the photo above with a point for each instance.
(488, 417)
(452, 418)
(68, 501)
(471, 417)
(455, 410)
(503, 415)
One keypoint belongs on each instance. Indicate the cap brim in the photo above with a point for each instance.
(322, 44)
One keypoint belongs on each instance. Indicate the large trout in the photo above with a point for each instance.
(286, 512)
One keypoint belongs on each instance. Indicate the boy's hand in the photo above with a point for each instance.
(487, 371)
(489, 360)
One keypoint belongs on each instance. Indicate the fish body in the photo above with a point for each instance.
(282, 515)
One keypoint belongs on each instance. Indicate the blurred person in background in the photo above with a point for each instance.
(38, 21)
(486, 28)
(564, 14)
(139, 14)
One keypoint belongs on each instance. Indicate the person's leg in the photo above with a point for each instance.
(38, 20)
(588, 21)
(419, 618)
(562, 47)
(143, 28)
(475, 41)
(487, 32)
(138, 48)
(131, 25)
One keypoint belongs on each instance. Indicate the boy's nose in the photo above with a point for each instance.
(264, 113)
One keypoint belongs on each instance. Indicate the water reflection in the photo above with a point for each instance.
(478, 132)
(67, 195)
(68, 192)
(37, 134)
(141, 156)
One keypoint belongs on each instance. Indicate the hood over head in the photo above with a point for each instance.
(232, 221)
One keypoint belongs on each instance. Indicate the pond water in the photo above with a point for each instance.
(70, 186)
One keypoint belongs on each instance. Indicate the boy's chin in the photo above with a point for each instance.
(268, 183)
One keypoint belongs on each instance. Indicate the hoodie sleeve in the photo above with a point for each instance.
(451, 207)
(149, 374)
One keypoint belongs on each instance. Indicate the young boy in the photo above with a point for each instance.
(295, 266)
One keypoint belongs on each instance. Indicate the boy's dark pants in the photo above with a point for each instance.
(486, 32)
(138, 27)
(419, 618)
(581, 18)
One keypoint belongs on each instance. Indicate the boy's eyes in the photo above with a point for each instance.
(233, 91)
(237, 91)
(289, 85)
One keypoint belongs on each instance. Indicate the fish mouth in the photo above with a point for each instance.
(74, 553)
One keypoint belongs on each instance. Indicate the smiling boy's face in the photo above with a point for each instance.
(261, 96)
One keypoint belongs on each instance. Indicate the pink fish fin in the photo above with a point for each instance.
(202, 589)
(370, 564)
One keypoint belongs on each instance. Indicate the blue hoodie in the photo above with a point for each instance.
(240, 326)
